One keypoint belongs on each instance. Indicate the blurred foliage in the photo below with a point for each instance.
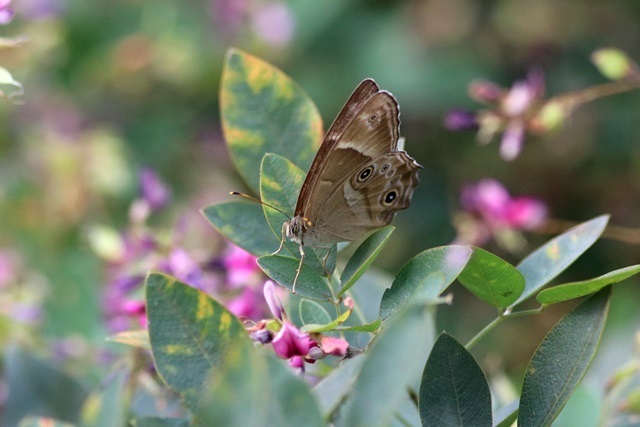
(112, 86)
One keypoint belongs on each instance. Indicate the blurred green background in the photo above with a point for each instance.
(111, 86)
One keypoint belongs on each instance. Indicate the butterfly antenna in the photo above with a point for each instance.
(246, 196)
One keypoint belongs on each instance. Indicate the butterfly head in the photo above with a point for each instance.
(296, 227)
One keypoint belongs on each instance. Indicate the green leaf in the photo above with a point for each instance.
(37, 387)
(561, 361)
(369, 327)
(160, 422)
(264, 111)
(362, 258)
(263, 394)
(135, 338)
(243, 224)
(394, 360)
(335, 387)
(556, 255)
(313, 313)
(108, 407)
(282, 269)
(573, 290)
(193, 337)
(492, 279)
(454, 390)
(424, 277)
(33, 421)
(280, 182)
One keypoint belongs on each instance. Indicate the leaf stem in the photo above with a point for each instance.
(495, 322)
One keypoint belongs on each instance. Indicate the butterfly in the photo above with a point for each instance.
(359, 178)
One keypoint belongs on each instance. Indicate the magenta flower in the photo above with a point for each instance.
(290, 341)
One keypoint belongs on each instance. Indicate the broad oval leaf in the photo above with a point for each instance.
(573, 290)
(280, 182)
(424, 277)
(282, 269)
(263, 111)
(492, 279)
(335, 387)
(454, 390)
(37, 386)
(362, 258)
(313, 313)
(297, 405)
(561, 361)
(392, 363)
(556, 255)
(193, 337)
(243, 224)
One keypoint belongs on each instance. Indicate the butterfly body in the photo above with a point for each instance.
(359, 179)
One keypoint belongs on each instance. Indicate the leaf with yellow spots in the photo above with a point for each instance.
(194, 339)
(264, 111)
(541, 266)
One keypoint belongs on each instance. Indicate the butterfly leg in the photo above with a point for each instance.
(281, 241)
(295, 280)
(324, 261)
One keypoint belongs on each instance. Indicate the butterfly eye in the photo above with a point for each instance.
(296, 229)
(365, 174)
(390, 197)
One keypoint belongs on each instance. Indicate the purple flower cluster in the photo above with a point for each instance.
(512, 111)
(233, 277)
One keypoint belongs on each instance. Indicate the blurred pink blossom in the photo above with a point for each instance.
(274, 23)
(242, 267)
(493, 209)
(6, 12)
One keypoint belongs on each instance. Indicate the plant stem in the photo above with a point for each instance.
(495, 322)
(484, 332)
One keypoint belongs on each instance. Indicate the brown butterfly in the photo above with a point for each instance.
(359, 179)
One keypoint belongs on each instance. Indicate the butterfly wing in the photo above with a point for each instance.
(358, 180)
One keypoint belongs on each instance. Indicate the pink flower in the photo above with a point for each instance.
(290, 342)
(490, 200)
(334, 346)
(271, 296)
(492, 210)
